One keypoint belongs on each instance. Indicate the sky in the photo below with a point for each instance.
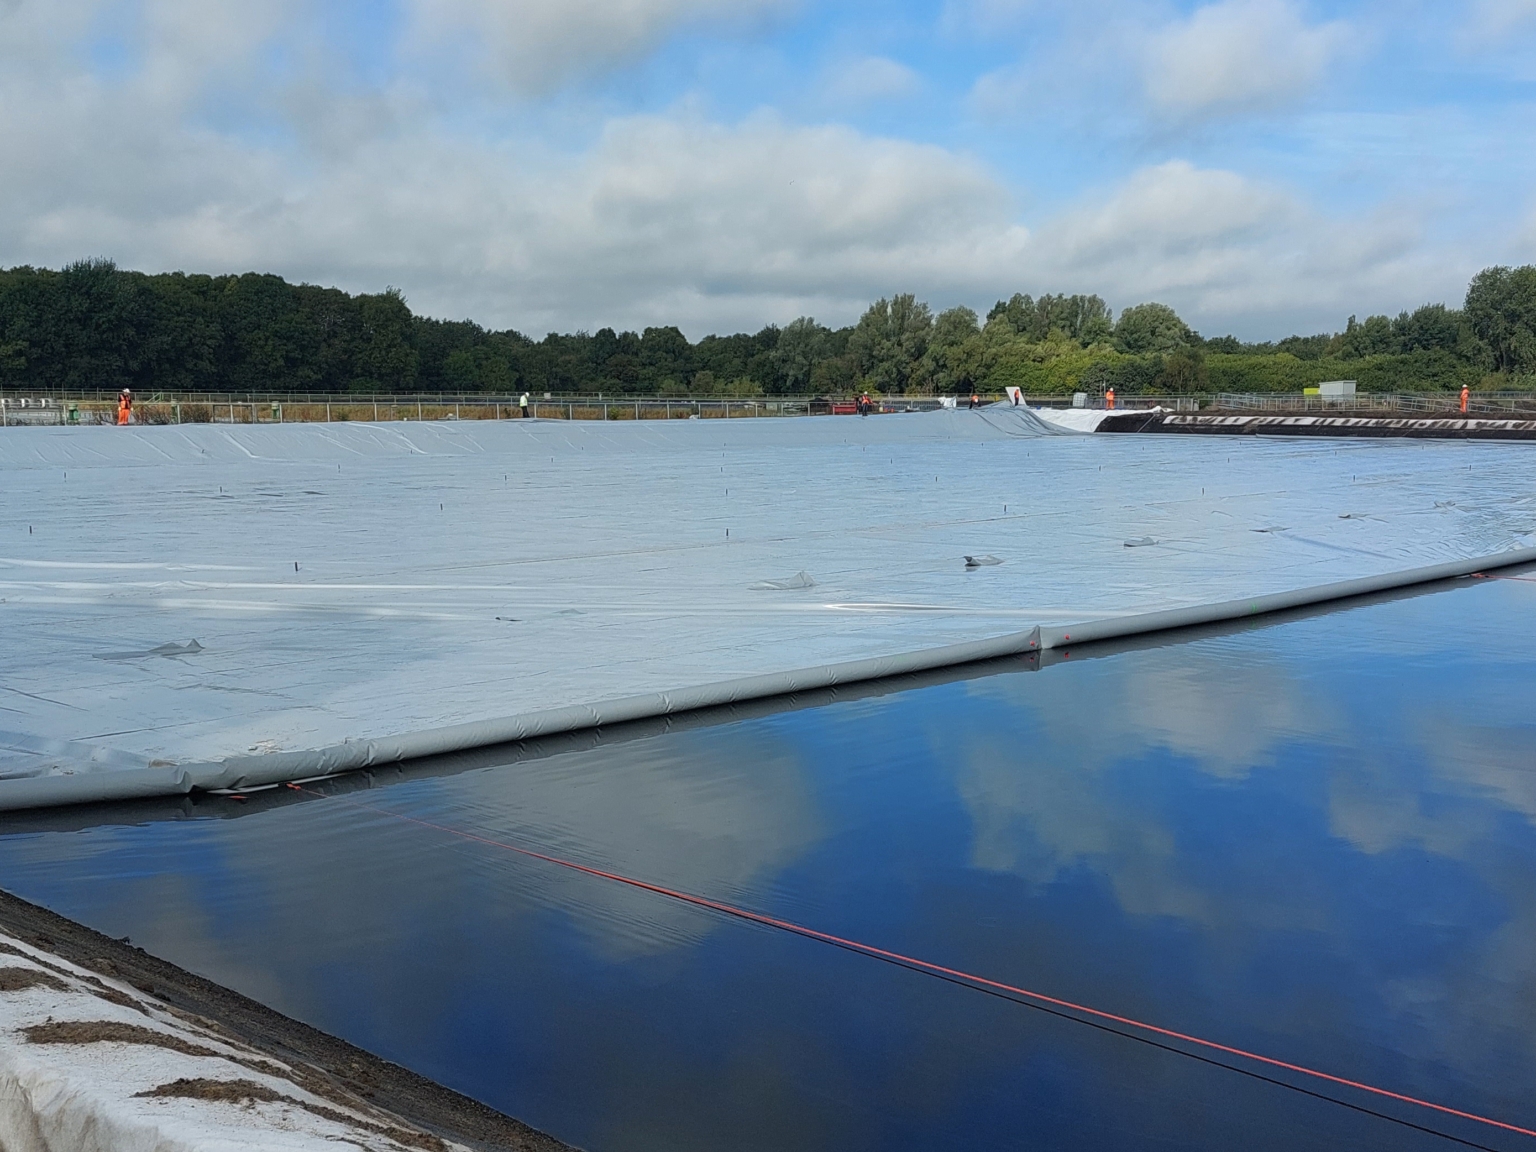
(1264, 166)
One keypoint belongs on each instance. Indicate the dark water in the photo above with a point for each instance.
(1314, 840)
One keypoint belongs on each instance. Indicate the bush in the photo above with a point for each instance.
(1431, 370)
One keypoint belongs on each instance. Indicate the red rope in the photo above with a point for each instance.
(948, 973)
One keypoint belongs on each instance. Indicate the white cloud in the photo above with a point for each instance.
(1238, 55)
(1167, 213)
(1219, 245)
(1077, 63)
(1056, 804)
(987, 16)
(666, 219)
(870, 79)
(1491, 18)
(670, 217)
(662, 219)
(534, 45)
(994, 93)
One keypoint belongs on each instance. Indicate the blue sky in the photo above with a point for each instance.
(1266, 166)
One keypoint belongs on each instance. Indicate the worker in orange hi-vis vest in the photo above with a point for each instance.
(124, 406)
(1109, 399)
(1463, 399)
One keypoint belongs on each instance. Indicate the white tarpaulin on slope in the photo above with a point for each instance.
(1078, 419)
(109, 1087)
(347, 582)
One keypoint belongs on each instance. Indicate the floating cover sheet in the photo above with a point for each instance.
(176, 595)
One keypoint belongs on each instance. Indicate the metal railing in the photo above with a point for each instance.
(100, 407)
(1442, 403)
(288, 409)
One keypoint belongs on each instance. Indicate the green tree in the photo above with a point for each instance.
(1373, 338)
(1085, 319)
(182, 342)
(889, 339)
(742, 386)
(1306, 347)
(92, 327)
(384, 359)
(954, 326)
(479, 368)
(952, 360)
(800, 346)
(1018, 315)
(834, 377)
(1501, 309)
(1184, 371)
(666, 360)
(1151, 328)
(1430, 327)
(742, 355)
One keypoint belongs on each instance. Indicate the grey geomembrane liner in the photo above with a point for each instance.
(460, 585)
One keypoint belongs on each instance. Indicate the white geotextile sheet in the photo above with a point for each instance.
(453, 572)
(1078, 419)
(91, 1097)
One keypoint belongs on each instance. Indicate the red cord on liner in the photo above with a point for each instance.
(938, 969)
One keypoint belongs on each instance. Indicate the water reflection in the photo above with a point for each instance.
(1314, 840)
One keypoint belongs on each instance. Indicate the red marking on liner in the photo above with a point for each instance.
(950, 973)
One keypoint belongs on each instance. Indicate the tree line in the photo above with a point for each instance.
(94, 326)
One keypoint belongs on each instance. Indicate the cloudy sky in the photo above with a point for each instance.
(1265, 166)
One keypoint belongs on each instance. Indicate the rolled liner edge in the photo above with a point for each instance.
(237, 772)
(1117, 626)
